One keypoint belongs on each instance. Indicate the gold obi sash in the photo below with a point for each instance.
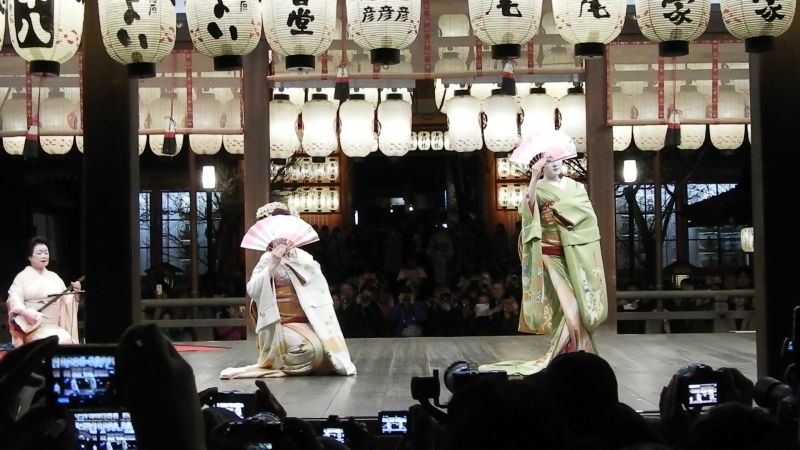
(288, 305)
(550, 234)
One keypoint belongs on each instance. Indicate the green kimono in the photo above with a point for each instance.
(564, 290)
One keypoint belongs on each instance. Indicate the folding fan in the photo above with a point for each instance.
(289, 230)
(556, 144)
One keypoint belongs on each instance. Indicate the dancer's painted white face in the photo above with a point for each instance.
(552, 170)
(40, 257)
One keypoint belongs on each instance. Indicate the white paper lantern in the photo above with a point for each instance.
(589, 25)
(672, 23)
(622, 110)
(573, 116)
(692, 105)
(160, 109)
(501, 129)
(300, 30)
(648, 137)
(45, 33)
(283, 125)
(319, 126)
(464, 122)
(15, 118)
(757, 23)
(57, 113)
(730, 105)
(437, 140)
(233, 143)
(450, 62)
(357, 136)
(538, 109)
(2, 21)
(394, 117)
(206, 116)
(747, 239)
(453, 25)
(138, 34)
(223, 31)
(505, 25)
(383, 27)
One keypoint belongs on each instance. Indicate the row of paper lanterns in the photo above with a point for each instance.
(140, 34)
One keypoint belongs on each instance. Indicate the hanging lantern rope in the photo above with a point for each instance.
(508, 84)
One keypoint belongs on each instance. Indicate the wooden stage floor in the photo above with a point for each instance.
(643, 364)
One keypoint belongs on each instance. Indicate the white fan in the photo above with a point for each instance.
(290, 230)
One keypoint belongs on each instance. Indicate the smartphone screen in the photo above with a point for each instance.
(83, 376)
(104, 430)
(334, 432)
(703, 394)
(393, 422)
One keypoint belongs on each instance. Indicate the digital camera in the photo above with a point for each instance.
(393, 422)
(240, 403)
(701, 386)
(260, 431)
(334, 428)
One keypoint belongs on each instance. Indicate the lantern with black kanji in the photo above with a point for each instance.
(138, 34)
(757, 22)
(672, 23)
(589, 24)
(383, 27)
(45, 33)
(300, 30)
(224, 29)
(505, 24)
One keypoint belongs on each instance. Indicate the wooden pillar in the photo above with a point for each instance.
(110, 189)
(773, 99)
(599, 145)
(256, 145)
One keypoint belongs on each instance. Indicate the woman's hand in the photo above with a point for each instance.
(30, 315)
(536, 165)
(279, 250)
(75, 286)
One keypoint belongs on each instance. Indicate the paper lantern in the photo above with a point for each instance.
(223, 31)
(45, 33)
(283, 125)
(538, 109)
(300, 30)
(450, 62)
(394, 118)
(692, 105)
(730, 105)
(747, 239)
(357, 136)
(453, 25)
(206, 116)
(672, 23)
(501, 127)
(233, 143)
(589, 25)
(629, 170)
(138, 34)
(167, 106)
(2, 21)
(319, 126)
(464, 122)
(383, 27)
(645, 107)
(14, 118)
(57, 113)
(757, 22)
(505, 25)
(573, 116)
(622, 110)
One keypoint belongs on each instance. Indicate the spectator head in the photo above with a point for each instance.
(733, 426)
(497, 290)
(687, 284)
(347, 292)
(491, 413)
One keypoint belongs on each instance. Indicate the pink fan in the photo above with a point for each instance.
(281, 229)
(556, 144)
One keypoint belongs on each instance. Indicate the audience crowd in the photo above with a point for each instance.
(573, 404)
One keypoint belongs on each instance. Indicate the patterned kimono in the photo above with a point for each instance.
(298, 333)
(564, 286)
(31, 290)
